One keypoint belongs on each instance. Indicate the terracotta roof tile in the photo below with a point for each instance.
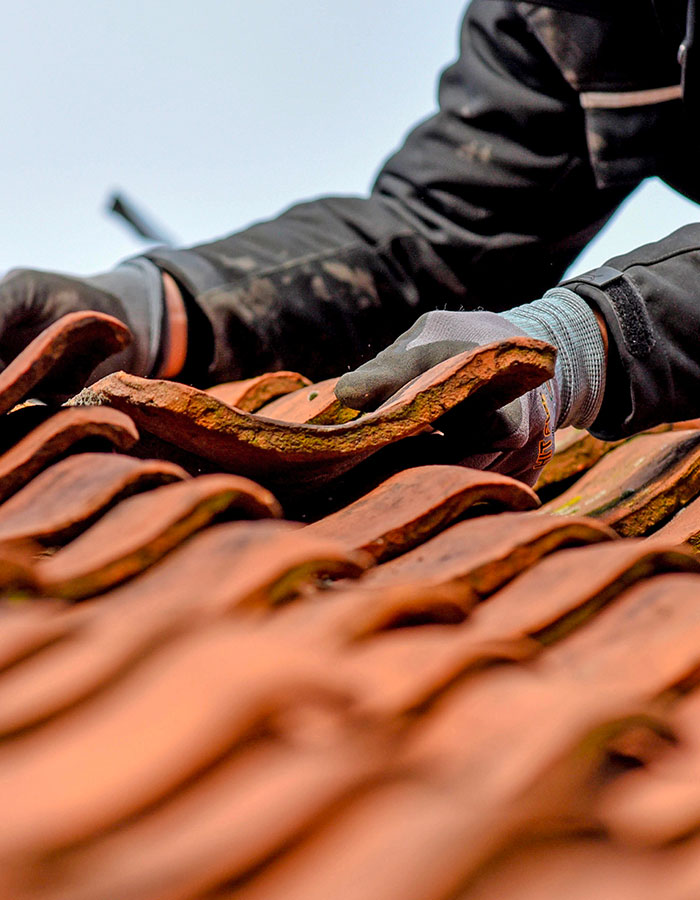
(578, 868)
(65, 431)
(252, 393)
(470, 781)
(65, 498)
(233, 817)
(412, 665)
(644, 644)
(414, 504)
(576, 451)
(248, 565)
(487, 552)
(684, 527)
(661, 803)
(143, 529)
(64, 355)
(137, 746)
(638, 485)
(315, 405)
(567, 588)
(276, 452)
(435, 691)
(29, 627)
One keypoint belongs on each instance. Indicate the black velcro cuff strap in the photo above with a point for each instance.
(627, 305)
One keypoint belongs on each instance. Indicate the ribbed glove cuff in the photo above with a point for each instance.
(563, 319)
(138, 285)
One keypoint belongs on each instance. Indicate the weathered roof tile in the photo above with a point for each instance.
(639, 484)
(414, 504)
(388, 703)
(66, 430)
(65, 498)
(278, 452)
(253, 393)
(487, 552)
(62, 357)
(141, 530)
(315, 404)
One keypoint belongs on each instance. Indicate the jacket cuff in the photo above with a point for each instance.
(194, 276)
(190, 269)
(637, 370)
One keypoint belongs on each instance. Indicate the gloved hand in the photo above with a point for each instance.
(133, 293)
(518, 439)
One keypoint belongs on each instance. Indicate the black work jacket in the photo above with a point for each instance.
(548, 119)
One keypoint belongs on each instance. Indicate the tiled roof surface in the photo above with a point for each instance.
(433, 689)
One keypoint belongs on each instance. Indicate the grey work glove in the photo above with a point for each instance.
(31, 300)
(518, 439)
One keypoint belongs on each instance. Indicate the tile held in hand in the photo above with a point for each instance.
(60, 360)
(412, 505)
(275, 451)
(54, 437)
(65, 498)
(142, 529)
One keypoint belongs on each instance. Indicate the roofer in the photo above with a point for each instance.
(553, 113)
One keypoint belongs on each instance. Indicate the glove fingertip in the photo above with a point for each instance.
(352, 392)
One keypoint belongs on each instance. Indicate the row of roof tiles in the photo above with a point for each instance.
(441, 689)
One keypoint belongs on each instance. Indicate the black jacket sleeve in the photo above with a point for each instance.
(650, 299)
(485, 205)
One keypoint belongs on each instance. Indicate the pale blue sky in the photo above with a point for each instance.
(215, 114)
